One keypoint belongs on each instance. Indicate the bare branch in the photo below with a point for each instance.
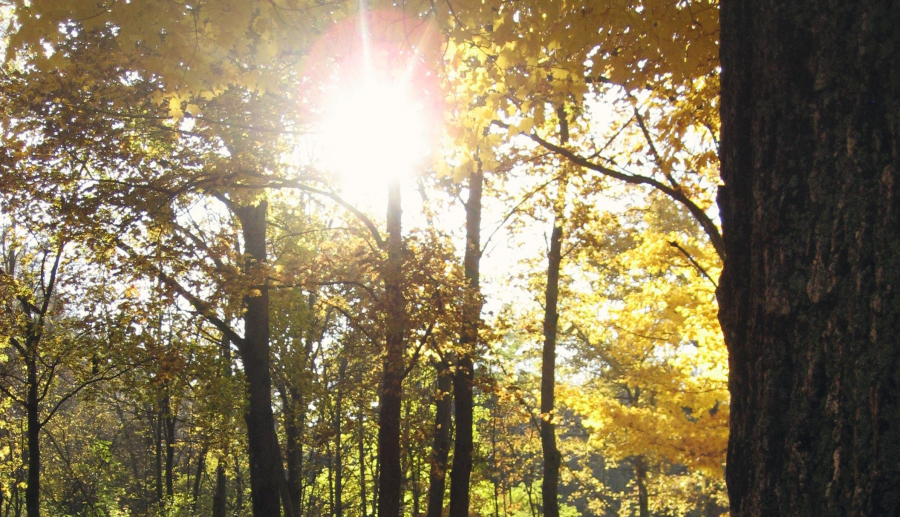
(694, 262)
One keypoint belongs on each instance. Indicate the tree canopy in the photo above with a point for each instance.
(200, 315)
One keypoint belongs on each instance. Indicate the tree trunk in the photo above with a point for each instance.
(640, 479)
(809, 294)
(552, 460)
(464, 379)
(338, 457)
(220, 497)
(198, 480)
(362, 463)
(157, 420)
(168, 420)
(264, 454)
(294, 422)
(441, 449)
(392, 382)
(33, 490)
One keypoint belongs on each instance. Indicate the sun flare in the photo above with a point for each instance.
(374, 131)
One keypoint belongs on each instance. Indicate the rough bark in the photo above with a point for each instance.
(808, 296)
(391, 472)
(441, 449)
(464, 378)
(264, 454)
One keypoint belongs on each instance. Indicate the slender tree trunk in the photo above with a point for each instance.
(640, 479)
(808, 297)
(294, 422)
(406, 457)
(552, 460)
(330, 454)
(391, 471)
(416, 488)
(168, 420)
(158, 441)
(362, 462)
(239, 486)
(338, 457)
(375, 491)
(220, 496)
(33, 490)
(464, 379)
(198, 480)
(265, 457)
(441, 448)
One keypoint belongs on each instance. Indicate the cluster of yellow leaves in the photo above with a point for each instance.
(510, 62)
(196, 49)
(644, 318)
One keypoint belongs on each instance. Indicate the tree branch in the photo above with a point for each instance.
(199, 305)
(694, 262)
(676, 194)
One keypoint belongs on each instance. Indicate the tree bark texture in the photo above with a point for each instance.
(263, 449)
(809, 295)
(391, 471)
(464, 378)
(441, 449)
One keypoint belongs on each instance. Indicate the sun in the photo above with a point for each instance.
(374, 130)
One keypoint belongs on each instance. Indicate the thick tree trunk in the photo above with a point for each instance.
(464, 379)
(389, 479)
(33, 490)
(263, 448)
(441, 448)
(809, 295)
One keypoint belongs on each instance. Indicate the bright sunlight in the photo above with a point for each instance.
(374, 131)
(378, 112)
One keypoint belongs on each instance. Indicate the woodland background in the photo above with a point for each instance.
(554, 277)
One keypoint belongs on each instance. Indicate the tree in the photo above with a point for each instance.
(810, 220)
(55, 350)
